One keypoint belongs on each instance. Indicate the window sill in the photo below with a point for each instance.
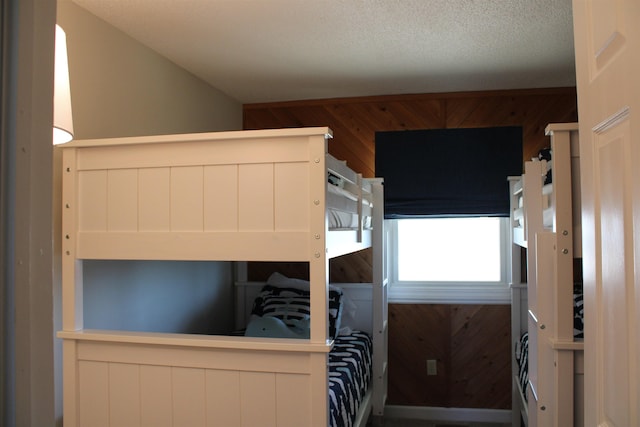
(450, 293)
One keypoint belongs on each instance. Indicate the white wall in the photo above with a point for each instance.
(121, 88)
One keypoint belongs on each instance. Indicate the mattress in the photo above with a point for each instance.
(349, 377)
(343, 207)
(522, 359)
(339, 220)
(578, 311)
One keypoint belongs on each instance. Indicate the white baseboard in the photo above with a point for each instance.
(448, 414)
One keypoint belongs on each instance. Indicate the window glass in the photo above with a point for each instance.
(449, 250)
(449, 260)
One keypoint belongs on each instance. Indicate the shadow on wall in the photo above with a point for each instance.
(158, 296)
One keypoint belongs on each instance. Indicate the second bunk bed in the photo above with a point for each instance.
(546, 285)
(265, 195)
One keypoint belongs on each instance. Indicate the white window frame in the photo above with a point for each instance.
(449, 292)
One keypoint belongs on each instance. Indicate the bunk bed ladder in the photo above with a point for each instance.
(562, 332)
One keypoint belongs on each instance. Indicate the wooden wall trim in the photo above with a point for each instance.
(415, 97)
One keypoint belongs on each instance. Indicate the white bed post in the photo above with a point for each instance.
(518, 306)
(562, 328)
(318, 259)
(71, 268)
(563, 228)
(318, 276)
(360, 214)
(72, 297)
(380, 323)
(550, 267)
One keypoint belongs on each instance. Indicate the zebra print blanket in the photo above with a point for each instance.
(349, 377)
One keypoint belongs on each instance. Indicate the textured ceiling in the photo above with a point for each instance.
(278, 50)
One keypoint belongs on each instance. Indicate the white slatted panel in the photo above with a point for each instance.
(122, 200)
(221, 198)
(124, 394)
(223, 391)
(154, 199)
(186, 198)
(292, 196)
(293, 399)
(256, 197)
(258, 399)
(117, 394)
(188, 397)
(93, 394)
(155, 396)
(92, 200)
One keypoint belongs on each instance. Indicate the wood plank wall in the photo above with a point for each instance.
(471, 343)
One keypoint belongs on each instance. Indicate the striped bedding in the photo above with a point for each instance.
(522, 358)
(349, 377)
(522, 346)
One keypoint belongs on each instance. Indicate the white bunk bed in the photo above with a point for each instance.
(548, 360)
(225, 196)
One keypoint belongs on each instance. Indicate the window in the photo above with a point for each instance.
(449, 260)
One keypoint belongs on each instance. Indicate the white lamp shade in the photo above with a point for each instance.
(62, 118)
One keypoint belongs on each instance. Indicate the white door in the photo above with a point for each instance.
(607, 43)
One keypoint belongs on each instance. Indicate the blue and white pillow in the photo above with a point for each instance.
(289, 301)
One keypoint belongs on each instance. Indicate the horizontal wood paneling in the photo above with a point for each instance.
(470, 342)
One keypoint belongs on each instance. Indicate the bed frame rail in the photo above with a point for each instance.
(129, 379)
(217, 196)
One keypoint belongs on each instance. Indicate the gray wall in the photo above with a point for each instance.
(158, 296)
(25, 198)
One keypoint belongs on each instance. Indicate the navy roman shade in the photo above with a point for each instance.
(448, 172)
